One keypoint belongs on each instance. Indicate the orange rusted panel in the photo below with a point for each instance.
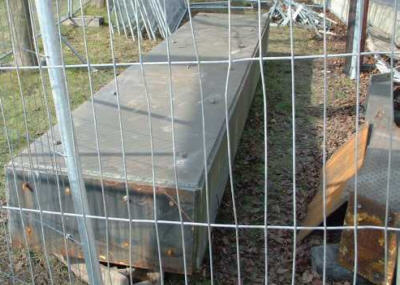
(370, 242)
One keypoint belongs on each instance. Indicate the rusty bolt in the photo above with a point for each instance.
(26, 187)
(170, 252)
(28, 230)
(125, 244)
(67, 190)
(212, 100)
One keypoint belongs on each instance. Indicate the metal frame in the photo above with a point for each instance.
(60, 96)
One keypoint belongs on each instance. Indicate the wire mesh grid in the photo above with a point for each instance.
(144, 192)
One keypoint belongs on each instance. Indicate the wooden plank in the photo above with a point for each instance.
(370, 242)
(339, 169)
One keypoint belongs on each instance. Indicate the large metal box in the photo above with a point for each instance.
(39, 176)
(377, 184)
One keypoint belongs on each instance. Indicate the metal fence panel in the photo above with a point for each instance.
(127, 146)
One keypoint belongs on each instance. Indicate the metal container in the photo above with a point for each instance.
(211, 31)
(374, 190)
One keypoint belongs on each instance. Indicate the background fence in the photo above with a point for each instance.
(118, 144)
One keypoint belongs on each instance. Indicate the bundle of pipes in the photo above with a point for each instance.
(236, 5)
(301, 14)
(149, 16)
(217, 5)
(384, 65)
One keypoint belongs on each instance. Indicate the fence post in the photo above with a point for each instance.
(52, 48)
(353, 43)
(70, 9)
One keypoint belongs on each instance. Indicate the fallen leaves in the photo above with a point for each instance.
(249, 168)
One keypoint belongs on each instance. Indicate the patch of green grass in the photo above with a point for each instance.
(284, 107)
(27, 109)
(5, 45)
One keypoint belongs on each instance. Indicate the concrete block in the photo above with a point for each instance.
(334, 271)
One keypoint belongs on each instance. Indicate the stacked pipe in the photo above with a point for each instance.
(301, 14)
(151, 17)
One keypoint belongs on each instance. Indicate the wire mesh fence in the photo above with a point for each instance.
(67, 8)
(198, 148)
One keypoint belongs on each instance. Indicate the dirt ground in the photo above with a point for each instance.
(249, 163)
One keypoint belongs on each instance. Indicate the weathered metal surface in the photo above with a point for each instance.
(212, 41)
(373, 187)
(371, 243)
(372, 178)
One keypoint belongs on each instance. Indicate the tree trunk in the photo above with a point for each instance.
(100, 3)
(21, 30)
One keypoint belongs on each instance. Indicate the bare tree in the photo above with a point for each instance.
(21, 30)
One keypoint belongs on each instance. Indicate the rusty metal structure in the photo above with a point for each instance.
(125, 182)
(376, 196)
